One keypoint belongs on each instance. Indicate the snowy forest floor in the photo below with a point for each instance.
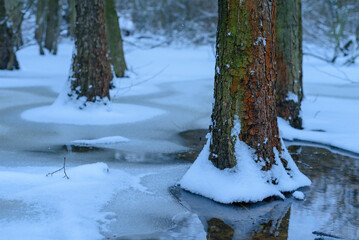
(120, 188)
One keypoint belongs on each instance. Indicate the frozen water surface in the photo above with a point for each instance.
(131, 200)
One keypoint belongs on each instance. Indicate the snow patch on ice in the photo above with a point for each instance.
(246, 182)
(100, 141)
(62, 208)
(92, 114)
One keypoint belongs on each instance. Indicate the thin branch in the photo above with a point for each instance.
(58, 170)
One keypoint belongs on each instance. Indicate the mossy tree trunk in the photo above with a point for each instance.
(114, 39)
(244, 82)
(92, 73)
(48, 20)
(289, 87)
(8, 58)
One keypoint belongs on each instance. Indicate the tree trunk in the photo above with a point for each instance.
(72, 17)
(48, 20)
(114, 39)
(15, 12)
(244, 158)
(289, 86)
(52, 25)
(40, 23)
(244, 82)
(91, 68)
(7, 50)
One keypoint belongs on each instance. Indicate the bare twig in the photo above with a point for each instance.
(58, 170)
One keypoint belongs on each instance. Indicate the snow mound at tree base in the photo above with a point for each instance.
(93, 114)
(244, 183)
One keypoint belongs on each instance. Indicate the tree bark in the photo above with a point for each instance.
(114, 39)
(8, 58)
(91, 68)
(245, 82)
(289, 86)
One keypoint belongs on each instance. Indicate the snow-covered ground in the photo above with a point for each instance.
(330, 108)
(173, 86)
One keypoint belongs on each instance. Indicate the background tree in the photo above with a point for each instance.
(8, 58)
(289, 86)
(336, 22)
(91, 68)
(114, 39)
(185, 20)
(48, 20)
(71, 16)
(16, 9)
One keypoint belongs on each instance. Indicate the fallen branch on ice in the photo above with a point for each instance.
(63, 167)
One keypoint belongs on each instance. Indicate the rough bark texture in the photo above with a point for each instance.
(245, 81)
(91, 67)
(7, 50)
(289, 87)
(114, 39)
(48, 20)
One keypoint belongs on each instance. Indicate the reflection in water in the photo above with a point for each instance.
(331, 206)
(330, 210)
(242, 221)
(217, 230)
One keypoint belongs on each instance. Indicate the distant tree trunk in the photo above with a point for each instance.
(289, 86)
(7, 49)
(91, 68)
(15, 12)
(52, 25)
(40, 23)
(114, 39)
(72, 16)
(48, 20)
(245, 82)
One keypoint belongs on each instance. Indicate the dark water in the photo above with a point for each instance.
(329, 211)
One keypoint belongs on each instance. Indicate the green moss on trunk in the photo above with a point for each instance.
(114, 39)
(244, 81)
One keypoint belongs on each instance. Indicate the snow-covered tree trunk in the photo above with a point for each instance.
(289, 87)
(114, 39)
(7, 49)
(244, 159)
(91, 67)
